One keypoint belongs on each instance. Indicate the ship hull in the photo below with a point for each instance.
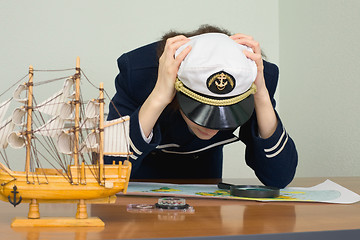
(57, 187)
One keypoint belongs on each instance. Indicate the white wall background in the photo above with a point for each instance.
(319, 59)
(322, 120)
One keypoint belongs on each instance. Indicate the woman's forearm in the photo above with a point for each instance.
(266, 117)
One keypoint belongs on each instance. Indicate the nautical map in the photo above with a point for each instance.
(327, 192)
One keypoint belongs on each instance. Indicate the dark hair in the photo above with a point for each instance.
(174, 105)
(201, 30)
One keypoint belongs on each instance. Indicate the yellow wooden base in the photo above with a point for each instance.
(57, 222)
(110, 199)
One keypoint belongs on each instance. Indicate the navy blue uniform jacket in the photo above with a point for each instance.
(174, 152)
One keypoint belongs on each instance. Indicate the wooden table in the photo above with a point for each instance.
(211, 217)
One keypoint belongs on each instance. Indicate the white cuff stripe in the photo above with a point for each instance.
(277, 144)
(134, 148)
(168, 145)
(278, 151)
(133, 157)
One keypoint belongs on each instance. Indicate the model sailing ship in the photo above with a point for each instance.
(75, 136)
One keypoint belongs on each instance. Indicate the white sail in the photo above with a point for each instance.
(65, 143)
(18, 116)
(18, 93)
(92, 112)
(72, 95)
(66, 111)
(3, 108)
(91, 143)
(116, 136)
(92, 109)
(55, 104)
(52, 128)
(68, 88)
(89, 123)
(52, 105)
(16, 140)
(5, 129)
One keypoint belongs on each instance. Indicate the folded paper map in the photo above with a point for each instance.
(326, 192)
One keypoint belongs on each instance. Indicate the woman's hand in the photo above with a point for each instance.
(168, 68)
(164, 90)
(256, 57)
(266, 118)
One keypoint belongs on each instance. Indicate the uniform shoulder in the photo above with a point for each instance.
(271, 75)
(271, 69)
(142, 57)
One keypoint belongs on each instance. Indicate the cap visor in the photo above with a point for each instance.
(216, 117)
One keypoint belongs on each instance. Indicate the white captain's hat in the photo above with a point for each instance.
(215, 82)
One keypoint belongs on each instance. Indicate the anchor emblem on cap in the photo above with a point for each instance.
(221, 83)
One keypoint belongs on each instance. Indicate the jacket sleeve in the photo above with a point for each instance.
(274, 159)
(127, 101)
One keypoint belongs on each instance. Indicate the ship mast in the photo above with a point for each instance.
(77, 112)
(101, 135)
(29, 117)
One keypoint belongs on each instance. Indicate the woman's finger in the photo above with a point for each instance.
(254, 45)
(172, 44)
(179, 58)
(241, 35)
(175, 39)
(256, 58)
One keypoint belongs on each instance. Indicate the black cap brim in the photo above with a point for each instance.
(216, 117)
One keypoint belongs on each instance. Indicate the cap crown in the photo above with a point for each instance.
(216, 66)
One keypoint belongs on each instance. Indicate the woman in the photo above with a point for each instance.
(183, 136)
